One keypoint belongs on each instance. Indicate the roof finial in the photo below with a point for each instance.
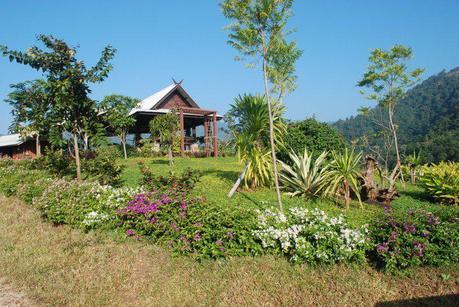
(177, 83)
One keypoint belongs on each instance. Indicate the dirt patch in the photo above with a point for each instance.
(11, 297)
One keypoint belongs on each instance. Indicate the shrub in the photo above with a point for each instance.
(184, 182)
(189, 225)
(56, 162)
(415, 238)
(311, 134)
(102, 165)
(306, 176)
(310, 236)
(15, 180)
(441, 182)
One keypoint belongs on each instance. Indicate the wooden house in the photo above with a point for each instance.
(16, 147)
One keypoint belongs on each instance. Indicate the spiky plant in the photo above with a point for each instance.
(306, 176)
(343, 174)
(248, 119)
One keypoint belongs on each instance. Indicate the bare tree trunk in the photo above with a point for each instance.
(271, 128)
(169, 154)
(238, 181)
(347, 194)
(85, 141)
(394, 133)
(38, 145)
(123, 142)
(77, 155)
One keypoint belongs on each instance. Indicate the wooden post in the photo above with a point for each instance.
(182, 136)
(215, 132)
(206, 139)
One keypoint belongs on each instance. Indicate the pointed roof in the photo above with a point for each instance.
(152, 102)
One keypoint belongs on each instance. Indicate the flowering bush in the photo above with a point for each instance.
(189, 225)
(310, 236)
(415, 238)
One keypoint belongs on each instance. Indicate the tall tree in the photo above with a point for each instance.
(116, 110)
(166, 127)
(68, 79)
(258, 32)
(30, 102)
(388, 79)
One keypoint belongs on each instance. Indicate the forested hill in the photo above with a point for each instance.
(428, 119)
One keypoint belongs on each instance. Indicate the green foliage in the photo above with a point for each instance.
(343, 175)
(311, 134)
(116, 110)
(55, 162)
(306, 177)
(441, 182)
(166, 128)
(415, 238)
(102, 165)
(248, 120)
(184, 182)
(258, 31)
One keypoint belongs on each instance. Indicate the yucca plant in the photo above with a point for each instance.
(248, 119)
(413, 161)
(306, 176)
(342, 175)
(441, 182)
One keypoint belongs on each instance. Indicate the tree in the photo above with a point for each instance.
(258, 32)
(388, 79)
(68, 79)
(166, 127)
(116, 110)
(248, 120)
(30, 102)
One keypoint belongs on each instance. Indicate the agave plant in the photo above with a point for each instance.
(342, 175)
(306, 176)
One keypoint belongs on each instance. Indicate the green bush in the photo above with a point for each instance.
(311, 134)
(441, 182)
(102, 165)
(56, 162)
(17, 180)
(184, 182)
(415, 238)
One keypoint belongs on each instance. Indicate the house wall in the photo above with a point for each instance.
(24, 151)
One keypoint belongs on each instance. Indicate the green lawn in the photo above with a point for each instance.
(219, 174)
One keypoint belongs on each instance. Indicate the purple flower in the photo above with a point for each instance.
(197, 237)
(409, 228)
(218, 242)
(222, 249)
(230, 235)
(130, 232)
(433, 220)
(175, 227)
(393, 236)
(420, 248)
(382, 248)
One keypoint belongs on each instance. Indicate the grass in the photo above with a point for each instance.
(61, 266)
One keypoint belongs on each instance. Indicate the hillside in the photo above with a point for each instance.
(428, 119)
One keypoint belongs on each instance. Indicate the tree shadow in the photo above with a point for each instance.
(229, 176)
(157, 161)
(252, 200)
(442, 300)
(418, 195)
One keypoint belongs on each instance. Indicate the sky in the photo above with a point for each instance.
(183, 39)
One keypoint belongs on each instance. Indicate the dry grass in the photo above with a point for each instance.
(61, 266)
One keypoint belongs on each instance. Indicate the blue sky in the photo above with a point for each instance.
(184, 39)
